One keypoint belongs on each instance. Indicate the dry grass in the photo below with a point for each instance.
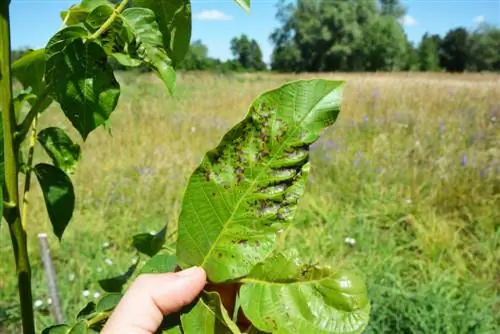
(411, 171)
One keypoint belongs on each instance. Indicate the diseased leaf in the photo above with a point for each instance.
(60, 148)
(174, 20)
(149, 244)
(283, 295)
(108, 302)
(115, 284)
(245, 4)
(208, 316)
(245, 191)
(58, 194)
(57, 329)
(160, 263)
(30, 70)
(142, 23)
(81, 80)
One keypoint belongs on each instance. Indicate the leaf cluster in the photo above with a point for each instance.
(239, 203)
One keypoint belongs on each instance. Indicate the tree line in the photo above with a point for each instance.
(349, 36)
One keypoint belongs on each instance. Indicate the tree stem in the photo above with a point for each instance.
(12, 213)
(29, 165)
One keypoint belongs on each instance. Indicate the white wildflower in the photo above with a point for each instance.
(350, 241)
(108, 262)
(85, 293)
(97, 295)
(72, 277)
(49, 301)
(193, 129)
(38, 303)
(106, 244)
(408, 201)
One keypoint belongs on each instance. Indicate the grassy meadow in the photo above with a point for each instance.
(409, 174)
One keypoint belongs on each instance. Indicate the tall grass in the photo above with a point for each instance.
(410, 175)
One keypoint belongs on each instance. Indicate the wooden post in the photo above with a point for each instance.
(51, 278)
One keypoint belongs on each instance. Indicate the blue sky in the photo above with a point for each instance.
(215, 22)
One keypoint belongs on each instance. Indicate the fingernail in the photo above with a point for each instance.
(193, 271)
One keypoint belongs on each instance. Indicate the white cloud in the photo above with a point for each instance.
(479, 19)
(408, 21)
(212, 15)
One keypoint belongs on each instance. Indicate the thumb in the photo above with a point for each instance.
(151, 297)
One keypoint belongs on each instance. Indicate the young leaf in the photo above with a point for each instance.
(79, 328)
(81, 79)
(149, 244)
(174, 20)
(282, 295)
(208, 316)
(74, 15)
(115, 284)
(30, 70)
(60, 148)
(86, 311)
(160, 263)
(245, 4)
(246, 190)
(108, 302)
(58, 194)
(142, 23)
(57, 329)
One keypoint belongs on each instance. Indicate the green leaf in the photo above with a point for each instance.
(115, 284)
(208, 316)
(108, 302)
(60, 148)
(245, 191)
(283, 295)
(245, 4)
(86, 311)
(174, 20)
(160, 263)
(30, 70)
(74, 15)
(149, 244)
(57, 329)
(81, 79)
(58, 194)
(79, 328)
(142, 23)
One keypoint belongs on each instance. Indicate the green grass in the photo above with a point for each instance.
(411, 172)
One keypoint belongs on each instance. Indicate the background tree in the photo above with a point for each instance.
(428, 53)
(454, 50)
(484, 49)
(248, 53)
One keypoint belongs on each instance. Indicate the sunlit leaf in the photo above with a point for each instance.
(58, 194)
(245, 4)
(208, 316)
(81, 80)
(60, 148)
(174, 20)
(245, 191)
(148, 243)
(115, 284)
(143, 25)
(74, 15)
(283, 295)
(160, 263)
(30, 70)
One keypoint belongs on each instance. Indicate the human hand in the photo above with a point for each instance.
(153, 296)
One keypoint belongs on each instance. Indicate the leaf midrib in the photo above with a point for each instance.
(236, 207)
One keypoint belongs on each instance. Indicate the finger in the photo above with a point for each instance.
(151, 297)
